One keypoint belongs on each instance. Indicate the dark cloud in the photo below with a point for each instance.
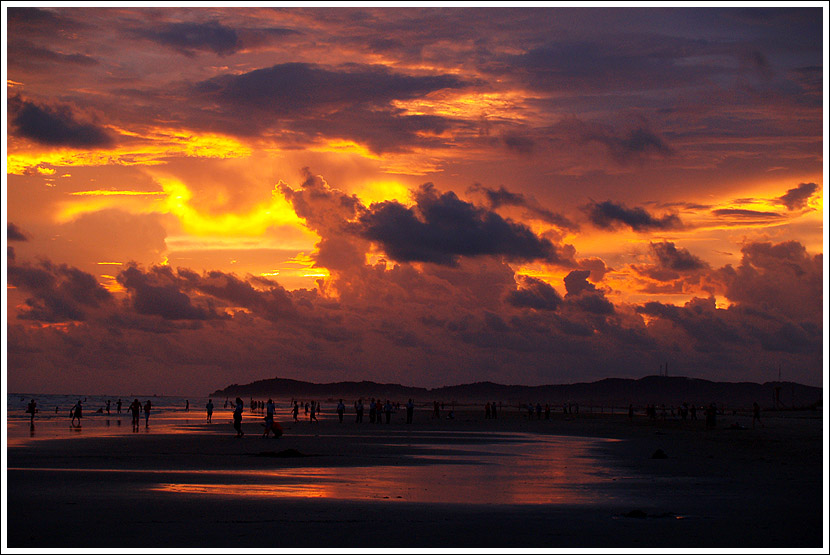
(24, 53)
(56, 126)
(302, 102)
(779, 278)
(60, 293)
(297, 88)
(157, 293)
(272, 303)
(188, 38)
(534, 293)
(497, 198)
(584, 295)
(519, 143)
(632, 143)
(796, 198)
(746, 214)
(629, 61)
(14, 233)
(701, 321)
(576, 282)
(440, 228)
(47, 22)
(670, 257)
(608, 215)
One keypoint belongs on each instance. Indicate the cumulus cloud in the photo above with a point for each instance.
(534, 293)
(779, 278)
(585, 295)
(157, 293)
(57, 126)
(797, 197)
(440, 228)
(59, 293)
(609, 214)
(670, 257)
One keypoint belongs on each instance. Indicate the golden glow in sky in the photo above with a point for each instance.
(394, 185)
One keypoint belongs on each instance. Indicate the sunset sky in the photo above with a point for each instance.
(430, 196)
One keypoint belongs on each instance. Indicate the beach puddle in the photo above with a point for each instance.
(541, 470)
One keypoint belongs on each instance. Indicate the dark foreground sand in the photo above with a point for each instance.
(727, 488)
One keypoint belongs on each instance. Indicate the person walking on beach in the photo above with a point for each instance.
(135, 408)
(341, 408)
(296, 412)
(108, 406)
(269, 417)
(387, 409)
(209, 409)
(118, 406)
(237, 417)
(410, 409)
(313, 416)
(147, 407)
(186, 405)
(31, 408)
(77, 412)
(358, 410)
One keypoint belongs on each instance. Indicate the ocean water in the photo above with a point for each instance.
(53, 417)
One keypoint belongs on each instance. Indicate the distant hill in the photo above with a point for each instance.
(611, 391)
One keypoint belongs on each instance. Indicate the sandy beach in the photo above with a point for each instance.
(568, 482)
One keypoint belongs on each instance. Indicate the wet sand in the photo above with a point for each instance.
(588, 481)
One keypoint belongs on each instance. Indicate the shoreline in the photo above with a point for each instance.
(716, 488)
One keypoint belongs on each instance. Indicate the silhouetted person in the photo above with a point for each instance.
(693, 411)
(359, 411)
(31, 408)
(756, 414)
(135, 408)
(410, 410)
(237, 417)
(631, 412)
(341, 409)
(372, 411)
(77, 412)
(379, 411)
(387, 408)
(313, 416)
(711, 416)
(118, 406)
(186, 406)
(487, 411)
(108, 406)
(493, 413)
(269, 417)
(538, 411)
(147, 407)
(296, 411)
(209, 409)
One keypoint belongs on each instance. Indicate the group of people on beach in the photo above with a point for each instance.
(77, 411)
